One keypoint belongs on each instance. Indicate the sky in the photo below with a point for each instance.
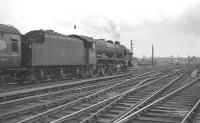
(172, 26)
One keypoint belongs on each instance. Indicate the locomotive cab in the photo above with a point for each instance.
(90, 46)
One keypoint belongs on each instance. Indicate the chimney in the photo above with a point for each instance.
(117, 42)
(109, 41)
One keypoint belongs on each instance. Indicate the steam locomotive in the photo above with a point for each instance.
(45, 54)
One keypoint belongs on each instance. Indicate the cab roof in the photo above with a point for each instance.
(83, 37)
(8, 29)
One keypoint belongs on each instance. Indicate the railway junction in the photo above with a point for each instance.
(159, 94)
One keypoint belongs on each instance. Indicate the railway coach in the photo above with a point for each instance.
(10, 48)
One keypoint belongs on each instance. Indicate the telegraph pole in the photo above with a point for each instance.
(152, 55)
(178, 59)
(172, 59)
(132, 47)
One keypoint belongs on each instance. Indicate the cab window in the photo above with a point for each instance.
(14, 45)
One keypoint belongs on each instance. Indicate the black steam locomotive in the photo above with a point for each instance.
(45, 54)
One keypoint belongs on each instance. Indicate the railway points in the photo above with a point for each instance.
(173, 107)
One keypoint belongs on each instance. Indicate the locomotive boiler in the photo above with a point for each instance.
(112, 57)
(110, 49)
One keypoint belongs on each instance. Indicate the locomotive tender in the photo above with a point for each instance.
(44, 54)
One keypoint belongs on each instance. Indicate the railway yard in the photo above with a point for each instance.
(159, 94)
(87, 80)
(99, 61)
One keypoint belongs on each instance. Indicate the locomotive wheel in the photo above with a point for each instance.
(125, 69)
(104, 70)
(118, 68)
(113, 70)
(34, 76)
(94, 70)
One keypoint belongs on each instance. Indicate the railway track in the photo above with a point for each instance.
(84, 117)
(183, 80)
(46, 99)
(16, 94)
(88, 103)
(111, 91)
(11, 84)
(119, 107)
(128, 100)
(175, 107)
(193, 116)
(50, 100)
(25, 92)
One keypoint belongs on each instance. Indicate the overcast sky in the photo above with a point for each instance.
(172, 26)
